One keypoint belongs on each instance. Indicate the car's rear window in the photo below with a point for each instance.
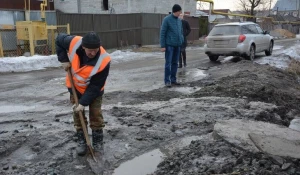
(225, 30)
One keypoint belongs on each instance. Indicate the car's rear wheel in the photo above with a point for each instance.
(252, 53)
(270, 51)
(213, 57)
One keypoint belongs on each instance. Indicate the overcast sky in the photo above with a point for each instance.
(229, 4)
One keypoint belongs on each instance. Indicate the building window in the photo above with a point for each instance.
(105, 4)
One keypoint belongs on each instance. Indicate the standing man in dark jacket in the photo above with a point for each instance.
(171, 39)
(89, 65)
(186, 31)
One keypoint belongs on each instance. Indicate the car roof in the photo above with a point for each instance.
(236, 23)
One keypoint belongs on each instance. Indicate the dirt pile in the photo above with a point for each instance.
(259, 83)
(283, 33)
(218, 157)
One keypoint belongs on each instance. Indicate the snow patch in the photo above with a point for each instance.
(281, 59)
(277, 47)
(25, 64)
(227, 59)
(185, 90)
(123, 56)
(279, 62)
(37, 62)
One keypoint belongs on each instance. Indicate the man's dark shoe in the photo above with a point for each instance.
(81, 148)
(176, 83)
(168, 85)
(97, 140)
(180, 66)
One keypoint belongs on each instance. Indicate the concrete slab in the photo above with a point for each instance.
(295, 124)
(276, 146)
(237, 132)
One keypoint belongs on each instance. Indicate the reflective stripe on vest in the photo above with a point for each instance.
(71, 57)
(76, 46)
(93, 72)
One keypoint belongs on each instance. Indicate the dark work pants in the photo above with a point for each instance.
(95, 115)
(182, 57)
(172, 55)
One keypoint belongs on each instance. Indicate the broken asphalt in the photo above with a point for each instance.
(217, 122)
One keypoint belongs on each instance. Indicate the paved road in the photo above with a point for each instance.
(144, 74)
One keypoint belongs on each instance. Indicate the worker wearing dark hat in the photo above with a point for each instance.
(171, 39)
(89, 65)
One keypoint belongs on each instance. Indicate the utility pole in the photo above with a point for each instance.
(298, 8)
(270, 7)
(27, 10)
(183, 7)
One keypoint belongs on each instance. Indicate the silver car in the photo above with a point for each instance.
(243, 39)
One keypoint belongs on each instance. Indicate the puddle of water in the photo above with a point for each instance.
(185, 90)
(147, 163)
(141, 165)
(14, 108)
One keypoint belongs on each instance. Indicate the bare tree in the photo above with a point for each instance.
(249, 6)
(201, 5)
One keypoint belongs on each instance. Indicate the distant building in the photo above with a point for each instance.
(287, 7)
(20, 4)
(14, 10)
(215, 17)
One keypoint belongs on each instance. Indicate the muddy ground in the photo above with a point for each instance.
(39, 138)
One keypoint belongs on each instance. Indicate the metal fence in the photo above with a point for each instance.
(9, 17)
(269, 26)
(119, 30)
(195, 28)
(115, 30)
(10, 46)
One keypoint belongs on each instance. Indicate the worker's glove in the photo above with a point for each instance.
(78, 108)
(66, 65)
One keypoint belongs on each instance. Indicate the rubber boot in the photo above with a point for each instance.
(81, 143)
(98, 140)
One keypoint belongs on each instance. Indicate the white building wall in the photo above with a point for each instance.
(124, 6)
(66, 6)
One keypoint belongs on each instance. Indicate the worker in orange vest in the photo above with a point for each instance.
(89, 64)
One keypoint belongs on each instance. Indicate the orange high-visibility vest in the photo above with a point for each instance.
(82, 76)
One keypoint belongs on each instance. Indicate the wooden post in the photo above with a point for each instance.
(52, 41)
(31, 43)
(1, 47)
(81, 117)
(68, 29)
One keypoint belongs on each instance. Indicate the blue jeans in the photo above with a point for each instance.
(172, 56)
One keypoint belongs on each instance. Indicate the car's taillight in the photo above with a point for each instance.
(242, 38)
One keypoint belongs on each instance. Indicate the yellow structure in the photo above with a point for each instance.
(31, 31)
(43, 6)
(38, 30)
(1, 47)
